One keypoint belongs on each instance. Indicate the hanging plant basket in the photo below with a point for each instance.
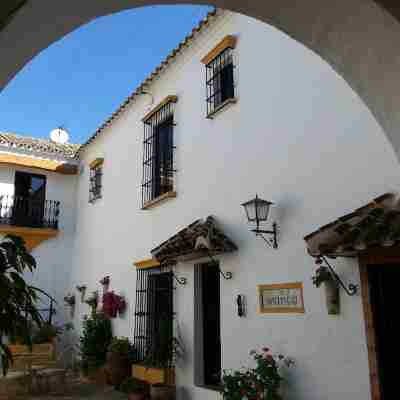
(93, 301)
(82, 291)
(331, 288)
(69, 301)
(113, 305)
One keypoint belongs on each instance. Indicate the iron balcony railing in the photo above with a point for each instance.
(23, 211)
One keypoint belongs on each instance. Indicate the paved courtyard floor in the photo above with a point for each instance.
(85, 392)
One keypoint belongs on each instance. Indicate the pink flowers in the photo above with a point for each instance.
(113, 304)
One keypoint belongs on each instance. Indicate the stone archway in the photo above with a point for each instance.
(358, 38)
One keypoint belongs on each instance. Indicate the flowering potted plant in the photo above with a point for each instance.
(105, 282)
(120, 353)
(113, 304)
(262, 382)
(92, 301)
(332, 297)
(134, 388)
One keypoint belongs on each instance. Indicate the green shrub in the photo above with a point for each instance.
(133, 385)
(46, 333)
(95, 339)
(122, 345)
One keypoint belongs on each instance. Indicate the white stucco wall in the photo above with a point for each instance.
(298, 136)
(53, 256)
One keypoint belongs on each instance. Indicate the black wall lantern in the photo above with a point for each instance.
(257, 211)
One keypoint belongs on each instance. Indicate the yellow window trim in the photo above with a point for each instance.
(147, 263)
(96, 162)
(38, 163)
(160, 199)
(227, 42)
(168, 99)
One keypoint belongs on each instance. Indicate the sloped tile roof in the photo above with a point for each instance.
(153, 75)
(377, 224)
(199, 239)
(67, 150)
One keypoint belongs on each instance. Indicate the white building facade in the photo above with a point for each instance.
(291, 131)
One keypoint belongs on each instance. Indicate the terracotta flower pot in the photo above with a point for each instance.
(162, 392)
(136, 396)
(118, 367)
(332, 297)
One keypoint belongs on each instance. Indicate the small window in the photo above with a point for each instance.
(158, 154)
(220, 80)
(96, 173)
(207, 329)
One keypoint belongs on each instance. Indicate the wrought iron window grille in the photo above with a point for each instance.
(220, 81)
(154, 313)
(95, 182)
(158, 154)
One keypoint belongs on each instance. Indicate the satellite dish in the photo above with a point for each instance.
(59, 135)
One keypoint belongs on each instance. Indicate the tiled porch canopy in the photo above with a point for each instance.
(377, 224)
(199, 239)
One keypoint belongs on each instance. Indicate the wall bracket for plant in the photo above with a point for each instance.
(351, 289)
(181, 281)
(226, 275)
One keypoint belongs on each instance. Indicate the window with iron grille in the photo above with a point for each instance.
(96, 173)
(158, 154)
(154, 315)
(220, 80)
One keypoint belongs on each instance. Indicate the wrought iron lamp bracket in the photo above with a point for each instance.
(351, 289)
(272, 241)
(180, 280)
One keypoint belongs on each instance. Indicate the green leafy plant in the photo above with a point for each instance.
(46, 333)
(122, 345)
(18, 300)
(133, 385)
(94, 342)
(93, 300)
(165, 347)
(259, 383)
(322, 274)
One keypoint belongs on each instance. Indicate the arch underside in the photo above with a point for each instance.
(358, 38)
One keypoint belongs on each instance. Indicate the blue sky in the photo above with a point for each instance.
(80, 80)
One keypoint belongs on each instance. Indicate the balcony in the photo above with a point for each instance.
(33, 220)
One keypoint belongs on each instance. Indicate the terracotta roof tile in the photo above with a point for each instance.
(185, 42)
(375, 224)
(46, 146)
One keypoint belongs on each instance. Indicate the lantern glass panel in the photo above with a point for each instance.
(263, 209)
(250, 208)
(257, 210)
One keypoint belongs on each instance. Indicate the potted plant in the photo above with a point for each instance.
(118, 357)
(159, 362)
(94, 342)
(113, 304)
(82, 290)
(134, 388)
(105, 282)
(332, 295)
(69, 300)
(258, 383)
(92, 301)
